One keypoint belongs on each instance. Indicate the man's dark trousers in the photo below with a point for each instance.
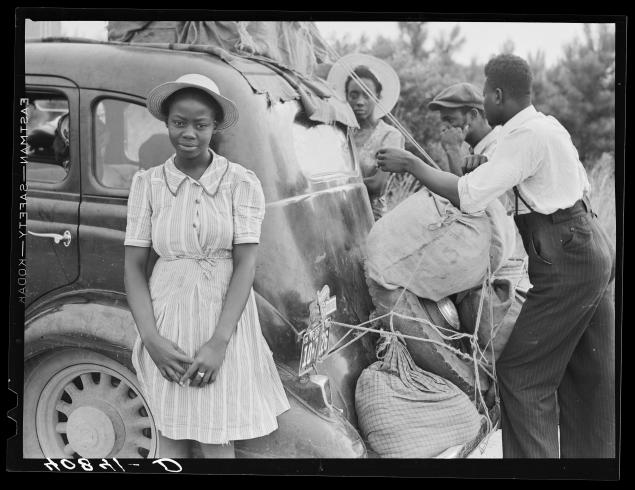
(563, 342)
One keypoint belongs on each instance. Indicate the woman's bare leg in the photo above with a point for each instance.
(174, 448)
(217, 450)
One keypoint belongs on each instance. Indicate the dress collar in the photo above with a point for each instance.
(210, 180)
(487, 140)
(518, 120)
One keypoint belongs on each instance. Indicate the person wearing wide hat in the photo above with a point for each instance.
(557, 372)
(373, 133)
(200, 350)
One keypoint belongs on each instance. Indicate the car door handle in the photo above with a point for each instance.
(66, 237)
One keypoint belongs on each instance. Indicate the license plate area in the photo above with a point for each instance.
(315, 339)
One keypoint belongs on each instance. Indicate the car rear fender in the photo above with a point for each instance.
(101, 321)
(95, 320)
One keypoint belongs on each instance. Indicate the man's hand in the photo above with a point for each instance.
(471, 162)
(452, 137)
(394, 160)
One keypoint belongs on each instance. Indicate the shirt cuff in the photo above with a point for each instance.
(246, 239)
(466, 203)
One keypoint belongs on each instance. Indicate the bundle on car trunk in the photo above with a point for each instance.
(421, 252)
(406, 412)
(430, 247)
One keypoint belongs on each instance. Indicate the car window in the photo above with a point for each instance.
(48, 138)
(334, 157)
(127, 138)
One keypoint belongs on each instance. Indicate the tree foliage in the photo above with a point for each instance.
(579, 90)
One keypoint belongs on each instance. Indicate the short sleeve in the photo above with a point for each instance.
(248, 208)
(139, 224)
(394, 139)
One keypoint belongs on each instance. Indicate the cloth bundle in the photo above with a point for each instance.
(506, 304)
(406, 412)
(296, 44)
(430, 247)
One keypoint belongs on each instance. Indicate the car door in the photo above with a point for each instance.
(53, 180)
(120, 137)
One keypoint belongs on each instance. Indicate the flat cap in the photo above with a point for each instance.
(458, 95)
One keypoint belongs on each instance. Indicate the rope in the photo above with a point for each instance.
(394, 333)
(478, 357)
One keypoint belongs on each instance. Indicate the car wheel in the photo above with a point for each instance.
(79, 403)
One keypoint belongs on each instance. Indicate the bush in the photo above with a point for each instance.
(602, 179)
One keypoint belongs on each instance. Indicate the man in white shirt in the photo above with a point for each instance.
(463, 115)
(564, 339)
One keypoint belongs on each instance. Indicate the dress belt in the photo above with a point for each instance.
(205, 262)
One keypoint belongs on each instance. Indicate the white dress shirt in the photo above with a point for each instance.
(535, 153)
(487, 145)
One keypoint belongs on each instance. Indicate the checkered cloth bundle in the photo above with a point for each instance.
(406, 412)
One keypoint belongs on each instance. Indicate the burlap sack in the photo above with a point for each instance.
(506, 306)
(431, 248)
(406, 412)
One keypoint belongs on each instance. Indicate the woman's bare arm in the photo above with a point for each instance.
(244, 256)
(136, 273)
(167, 356)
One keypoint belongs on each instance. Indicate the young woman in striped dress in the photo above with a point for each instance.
(201, 359)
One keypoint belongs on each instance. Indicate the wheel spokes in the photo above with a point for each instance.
(68, 450)
(87, 380)
(142, 442)
(71, 389)
(65, 408)
(86, 399)
(105, 382)
(121, 391)
(134, 404)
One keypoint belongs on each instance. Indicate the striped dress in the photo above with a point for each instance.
(192, 225)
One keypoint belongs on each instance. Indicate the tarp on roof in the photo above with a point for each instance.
(276, 79)
(295, 44)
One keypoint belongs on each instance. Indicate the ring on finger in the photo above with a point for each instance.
(200, 374)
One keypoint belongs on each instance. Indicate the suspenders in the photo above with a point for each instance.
(518, 196)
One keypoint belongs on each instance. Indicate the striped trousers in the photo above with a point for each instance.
(558, 367)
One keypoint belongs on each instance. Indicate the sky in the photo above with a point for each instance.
(483, 39)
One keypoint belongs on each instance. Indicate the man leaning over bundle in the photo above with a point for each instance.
(463, 118)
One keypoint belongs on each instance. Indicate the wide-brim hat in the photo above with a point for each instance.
(387, 76)
(156, 97)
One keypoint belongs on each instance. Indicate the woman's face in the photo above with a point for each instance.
(191, 123)
(362, 105)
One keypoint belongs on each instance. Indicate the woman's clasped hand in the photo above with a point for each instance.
(175, 365)
(206, 363)
(168, 357)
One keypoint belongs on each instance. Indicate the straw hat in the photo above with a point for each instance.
(158, 94)
(386, 75)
